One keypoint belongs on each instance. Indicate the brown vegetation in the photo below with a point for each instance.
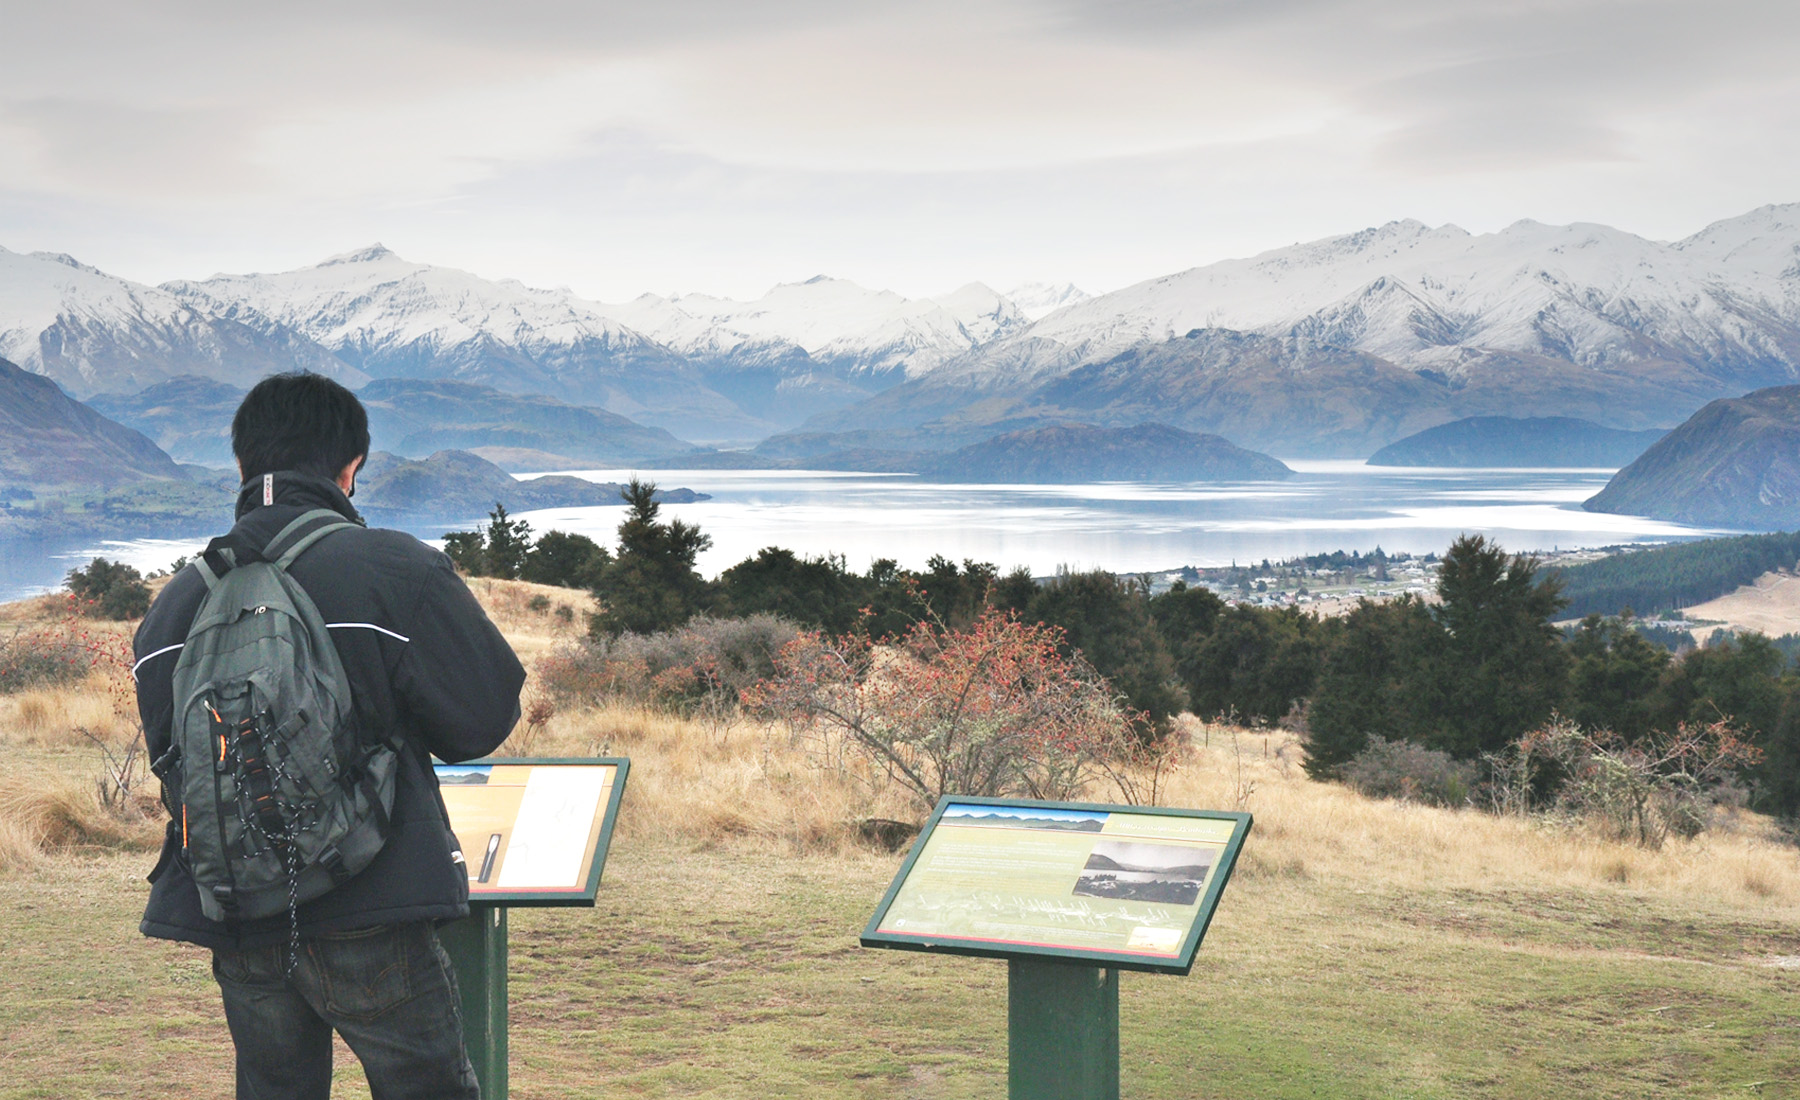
(729, 780)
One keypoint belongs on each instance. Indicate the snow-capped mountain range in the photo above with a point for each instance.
(705, 366)
(1336, 346)
(93, 332)
(1340, 344)
(877, 334)
(1424, 298)
(700, 365)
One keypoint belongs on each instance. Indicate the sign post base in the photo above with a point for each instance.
(477, 948)
(1062, 1031)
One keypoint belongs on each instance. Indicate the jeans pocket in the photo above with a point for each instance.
(365, 973)
(252, 967)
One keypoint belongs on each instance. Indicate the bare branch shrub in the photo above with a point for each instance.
(1640, 791)
(996, 710)
(34, 658)
(699, 669)
(125, 769)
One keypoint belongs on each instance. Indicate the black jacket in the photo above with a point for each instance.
(424, 664)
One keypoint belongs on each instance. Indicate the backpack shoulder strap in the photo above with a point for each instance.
(222, 555)
(297, 537)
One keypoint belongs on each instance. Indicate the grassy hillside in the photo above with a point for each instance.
(1364, 949)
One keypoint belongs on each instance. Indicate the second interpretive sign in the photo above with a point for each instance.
(1125, 886)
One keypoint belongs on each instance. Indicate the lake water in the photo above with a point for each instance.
(1122, 526)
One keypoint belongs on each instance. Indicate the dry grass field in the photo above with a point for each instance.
(1771, 606)
(1364, 949)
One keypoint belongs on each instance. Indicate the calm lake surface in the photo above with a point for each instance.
(1124, 526)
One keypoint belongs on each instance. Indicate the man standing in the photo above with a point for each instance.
(428, 674)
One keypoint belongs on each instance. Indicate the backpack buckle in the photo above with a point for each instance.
(333, 862)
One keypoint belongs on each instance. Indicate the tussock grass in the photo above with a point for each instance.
(533, 631)
(56, 716)
(65, 814)
(21, 849)
(1328, 830)
(711, 782)
(47, 608)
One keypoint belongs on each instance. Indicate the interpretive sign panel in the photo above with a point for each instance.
(1125, 886)
(534, 832)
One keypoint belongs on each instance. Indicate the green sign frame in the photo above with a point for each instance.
(539, 898)
(1182, 962)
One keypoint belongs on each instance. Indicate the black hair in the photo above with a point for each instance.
(299, 421)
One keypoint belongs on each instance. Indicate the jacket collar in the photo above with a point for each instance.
(292, 488)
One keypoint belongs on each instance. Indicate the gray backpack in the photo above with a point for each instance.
(280, 799)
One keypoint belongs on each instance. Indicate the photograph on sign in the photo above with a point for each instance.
(529, 828)
(1090, 882)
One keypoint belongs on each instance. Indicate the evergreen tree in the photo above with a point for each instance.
(956, 597)
(1108, 620)
(1014, 591)
(1775, 783)
(1256, 663)
(110, 590)
(1184, 615)
(1613, 677)
(1377, 678)
(467, 550)
(650, 584)
(508, 542)
(565, 559)
(815, 592)
(1503, 667)
(1735, 678)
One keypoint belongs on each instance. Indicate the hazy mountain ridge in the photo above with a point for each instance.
(1079, 452)
(1517, 442)
(418, 417)
(1038, 300)
(397, 319)
(1053, 454)
(1735, 463)
(834, 322)
(189, 417)
(456, 486)
(50, 440)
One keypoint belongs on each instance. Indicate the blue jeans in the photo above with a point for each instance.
(389, 991)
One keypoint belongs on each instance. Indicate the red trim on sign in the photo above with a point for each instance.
(1031, 943)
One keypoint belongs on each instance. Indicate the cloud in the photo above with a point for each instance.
(716, 144)
(162, 152)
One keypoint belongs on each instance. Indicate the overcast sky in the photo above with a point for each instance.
(725, 145)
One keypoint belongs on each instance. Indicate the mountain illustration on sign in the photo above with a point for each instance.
(1064, 823)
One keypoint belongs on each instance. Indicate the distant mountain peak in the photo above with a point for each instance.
(67, 260)
(1037, 300)
(372, 254)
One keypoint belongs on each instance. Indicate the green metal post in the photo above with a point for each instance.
(1062, 1031)
(477, 947)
